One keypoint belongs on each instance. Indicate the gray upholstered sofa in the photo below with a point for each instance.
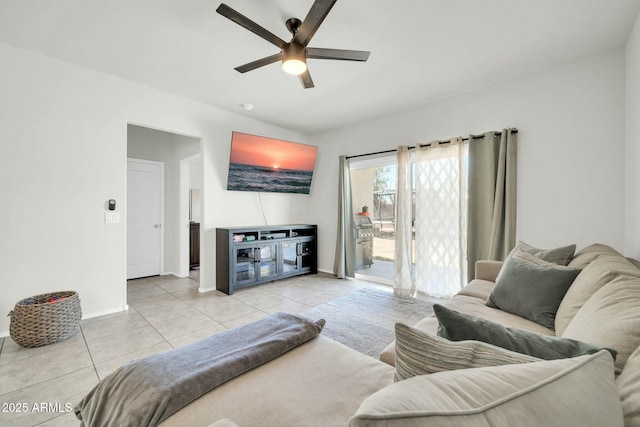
(323, 383)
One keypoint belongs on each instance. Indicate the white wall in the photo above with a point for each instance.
(63, 154)
(168, 148)
(632, 62)
(571, 156)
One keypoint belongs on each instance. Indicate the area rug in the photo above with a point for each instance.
(365, 319)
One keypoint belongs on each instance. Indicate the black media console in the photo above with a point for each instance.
(247, 256)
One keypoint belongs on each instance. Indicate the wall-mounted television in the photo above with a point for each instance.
(270, 165)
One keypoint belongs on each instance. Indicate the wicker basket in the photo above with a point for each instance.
(45, 319)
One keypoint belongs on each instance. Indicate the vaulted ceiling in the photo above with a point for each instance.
(421, 50)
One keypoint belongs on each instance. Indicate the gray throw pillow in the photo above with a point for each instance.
(561, 255)
(457, 326)
(531, 288)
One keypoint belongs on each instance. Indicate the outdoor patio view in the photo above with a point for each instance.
(374, 196)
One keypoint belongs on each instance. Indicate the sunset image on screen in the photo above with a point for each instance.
(270, 165)
(267, 152)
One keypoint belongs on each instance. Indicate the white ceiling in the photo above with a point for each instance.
(421, 50)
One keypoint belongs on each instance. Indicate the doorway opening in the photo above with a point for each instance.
(180, 156)
(373, 193)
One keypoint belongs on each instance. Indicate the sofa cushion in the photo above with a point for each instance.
(628, 383)
(471, 305)
(419, 353)
(531, 288)
(610, 318)
(457, 326)
(600, 271)
(561, 255)
(225, 422)
(478, 288)
(585, 255)
(321, 382)
(566, 392)
(475, 306)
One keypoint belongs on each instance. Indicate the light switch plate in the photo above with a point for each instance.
(112, 217)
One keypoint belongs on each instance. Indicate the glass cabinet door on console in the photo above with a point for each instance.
(298, 255)
(255, 262)
(290, 264)
(245, 265)
(268, 255)
(307, 251)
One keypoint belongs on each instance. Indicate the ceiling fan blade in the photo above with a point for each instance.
(247, 23)
(259, 63)
(305, 79)
(339, 54)
(316, 15)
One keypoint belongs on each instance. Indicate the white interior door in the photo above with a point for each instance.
(144, 218)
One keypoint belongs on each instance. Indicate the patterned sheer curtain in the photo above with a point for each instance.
(440, 217)
(403, 277)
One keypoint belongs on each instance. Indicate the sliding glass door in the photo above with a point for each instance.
(373, 190)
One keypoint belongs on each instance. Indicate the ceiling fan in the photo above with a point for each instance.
(295, 53)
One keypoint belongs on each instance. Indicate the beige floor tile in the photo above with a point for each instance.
(197, 335)
(140, 302)
(26, 367)
(116, 345)
(287, 306)
(49, 399)
(178, 308)
(225, 310)
(243, 320)
(179, 285)
(176, 327)
(306, 295)
(122, 323)
(67, 420)
(259, 298)
(13, 352)
(109, 317)
(105, 368)
(149, 289)
(190, 295)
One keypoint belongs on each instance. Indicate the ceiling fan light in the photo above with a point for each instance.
(294, 66)
(294, 59)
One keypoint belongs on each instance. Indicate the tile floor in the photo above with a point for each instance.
(39, 386)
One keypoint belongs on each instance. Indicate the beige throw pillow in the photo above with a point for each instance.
(585, 255)
(610, 318)
(561, 255)
(594, 276)
(628, 383)
(418, 353)
(555, 393)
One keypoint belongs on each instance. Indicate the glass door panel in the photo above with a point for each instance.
(289, 257)
(268, 260)
(373, 190)
(245, 264)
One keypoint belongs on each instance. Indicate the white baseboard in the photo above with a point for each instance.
(166, 273)
(104, 313)
(86, 316)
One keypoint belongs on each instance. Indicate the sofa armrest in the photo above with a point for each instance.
(488, 270)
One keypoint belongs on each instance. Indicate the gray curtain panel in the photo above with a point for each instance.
(345, 263)
(492, 196)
